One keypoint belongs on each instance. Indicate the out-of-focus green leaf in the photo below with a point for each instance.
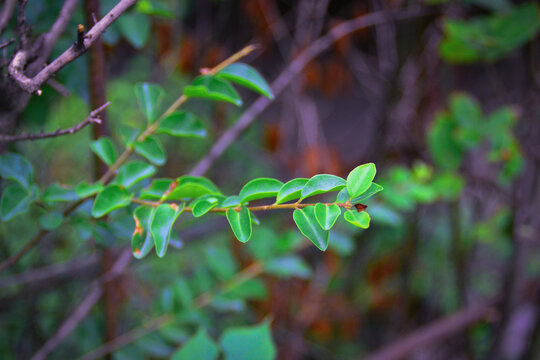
(149, 97)
(291, 190)
(251, 289)
(154, 8)
(161, 224)
(288, 266)
(445, 150)
(200, 347)
(358, 219)
(182, 124)
(58, 193)
(240, 222)
(51, 220)
(341, 243)
(327, 215)
(259, 189)
(15, 167)
(132, 172)
(209, 87)
(248, 343)
(322, 183)
(104, 149)
(151, 149)
(135, 27)
(308, 225)
(15, 200)
(245, 75)
(141, 240)
(113, 197)
(360, 178)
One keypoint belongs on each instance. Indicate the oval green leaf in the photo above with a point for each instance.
(204, 204)
(359, 180)
(182, 124)
(149, 97)
(209, 87)
(230, 202)
(151, 149)
(58, 193)
(191, 187)
(248, 343)
(84, 190)
(156, 189)
(259, 189)
(16, 167)
(245, 75)
(113, 197)
(291, 190)
(132, 172)
(240, 222)
(200, 347)
(161, 225)
(359, 219)
(51, 220)
(344, 196)
(141, 240)
(322, 183)
(104, 149)
(308, 225)
(327, 215)
(15, 200)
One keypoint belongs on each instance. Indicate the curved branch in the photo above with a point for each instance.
(92, 118)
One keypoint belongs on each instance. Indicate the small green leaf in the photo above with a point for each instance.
(204, 204)
(84, 190)
(112, 197)
(359, 180)
(182, 124)
(135, 27)
(288, 266)
(240, 222)
(209, 87)
(104, 149)
(327, 215)
(149, 97)
(51, 220)
(308, 225)
(15, 200)
(248, 343)
(128, 134)
(15, 167)
(161, 225)
(156, 189)
(246, 76)
(291, 190)
(141, 240)
(344, 196)
(58, 193)
(259, 189)
(230, 202)
(151, 149)
(191, 187)
(200, 347)
(132, 172)
(359, 219)
(322, 183)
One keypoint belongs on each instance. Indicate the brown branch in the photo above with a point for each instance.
(32, 85)
(294, 68)
(92, 118)
(58, 28)
(84, 307)
(435, 332)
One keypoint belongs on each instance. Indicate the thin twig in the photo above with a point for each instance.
(92, 118)
(7, 12)
(7, 43)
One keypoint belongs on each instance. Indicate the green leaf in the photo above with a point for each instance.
(58, 193)
(204, 204)
(200, 347)
(359, 219)
(156, 189)
(149, 97)
(161, 225)
(182, 124)
(151, 149)
(15, 200)
(248, 343)
(104, 149)
(231, 201)
(51, 220)
(322, 183)
(84, 190)
(344, 196)
(259, 189)
(245, 75)
(112, 197)
(209, 87)
(17, 168)
(288, 266)
(135, 27)
(327, 215)
(191, 187)
(240, 222)
(308, 225)
(291, 190)
(132, 172)
(141, 240)
(359, 180)
(252, 289)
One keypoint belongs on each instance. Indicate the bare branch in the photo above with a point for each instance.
(92, 118)
(58, 27)
(32, 85)
(294, 68)
(7, 12)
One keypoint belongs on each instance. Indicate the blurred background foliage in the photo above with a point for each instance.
(447, 107)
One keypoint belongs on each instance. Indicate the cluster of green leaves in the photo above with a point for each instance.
(463, 127)
(489, 38)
